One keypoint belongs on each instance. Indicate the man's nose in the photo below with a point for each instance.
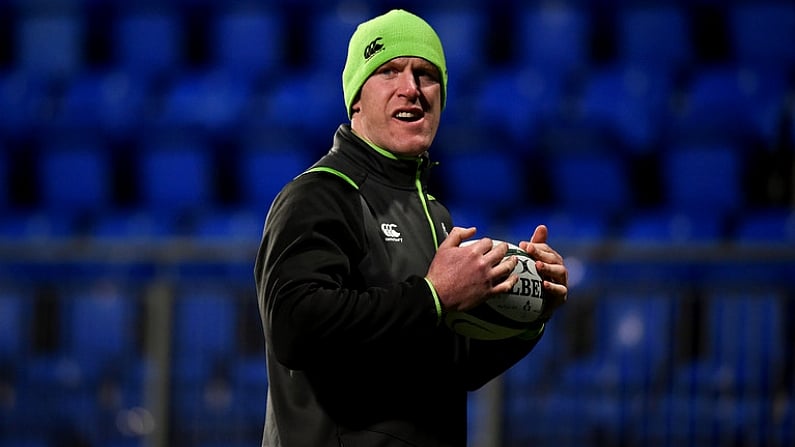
(409, 84)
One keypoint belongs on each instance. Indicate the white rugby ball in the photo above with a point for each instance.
(505, 315)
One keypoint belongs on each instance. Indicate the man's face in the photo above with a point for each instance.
(399, 106)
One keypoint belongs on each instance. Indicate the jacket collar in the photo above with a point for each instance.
(380, 164)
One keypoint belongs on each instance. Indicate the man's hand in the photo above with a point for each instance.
(466, 276)
(551, 269)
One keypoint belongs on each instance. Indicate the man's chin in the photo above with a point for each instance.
(409, 149)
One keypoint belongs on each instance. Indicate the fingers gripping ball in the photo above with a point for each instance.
(505, 315)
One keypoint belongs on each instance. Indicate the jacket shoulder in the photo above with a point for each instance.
(337, 164)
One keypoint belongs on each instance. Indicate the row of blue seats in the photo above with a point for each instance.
(670, 421)
(207, 324)
(634, 338)
(592, 174)
(629, 373)
(555, 35)
(613, 106)
(233, 412)
(559, 421)
(630, 100)
(575, 231)
(92, 386)
(550, 420)
(208, 321)
(116, 411)
(632, 387)
(705, 183)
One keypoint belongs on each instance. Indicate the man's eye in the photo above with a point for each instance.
(427, 77)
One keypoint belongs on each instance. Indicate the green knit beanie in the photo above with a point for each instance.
(397, 33)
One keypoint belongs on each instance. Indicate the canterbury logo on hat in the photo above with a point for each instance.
(373, 48)
(397, 33)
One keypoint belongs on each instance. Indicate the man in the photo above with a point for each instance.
(356, 269)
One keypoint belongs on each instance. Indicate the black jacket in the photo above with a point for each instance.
(356, 352)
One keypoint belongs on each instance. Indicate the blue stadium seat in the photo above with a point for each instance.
(287, 104)
(655, 37)
(746, 365)
(557, 419)
(15, 332)
(489, 181)
(250, 382)
(761, 33)
(535, 373)
(461, 30)
(208, 411)
(768, 267)
(75, 176)
(25, 94)
(207, 405)
(50, 45)
(205, 101)
(54, 388)
(628, 102)
(230, 230)
(332, 25)
(468, 215)
(135, 226)
(639, 336)
(681, 420)
(106, 103)
(205, 323)
(759, 354)
(552, 37)
(98, 329)
(148, 44)
(565, 226)
(175, 175)
(667, 227)
(632, 344)
(767, 90)
(35, 224)
(769, 226)
(702, 178)
(592, 182)
(603, 395)
(265, 171)
(236, 225)
(514, 103)
(720, 106)
(236, 32)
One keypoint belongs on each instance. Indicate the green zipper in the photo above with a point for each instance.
(424, 202)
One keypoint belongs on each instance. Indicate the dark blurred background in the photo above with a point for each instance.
(141, 143)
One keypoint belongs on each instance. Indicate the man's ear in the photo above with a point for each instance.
(356, 106)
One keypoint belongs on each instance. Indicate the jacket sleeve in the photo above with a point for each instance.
(313, 305)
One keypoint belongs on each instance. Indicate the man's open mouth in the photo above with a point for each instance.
(408, 117)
